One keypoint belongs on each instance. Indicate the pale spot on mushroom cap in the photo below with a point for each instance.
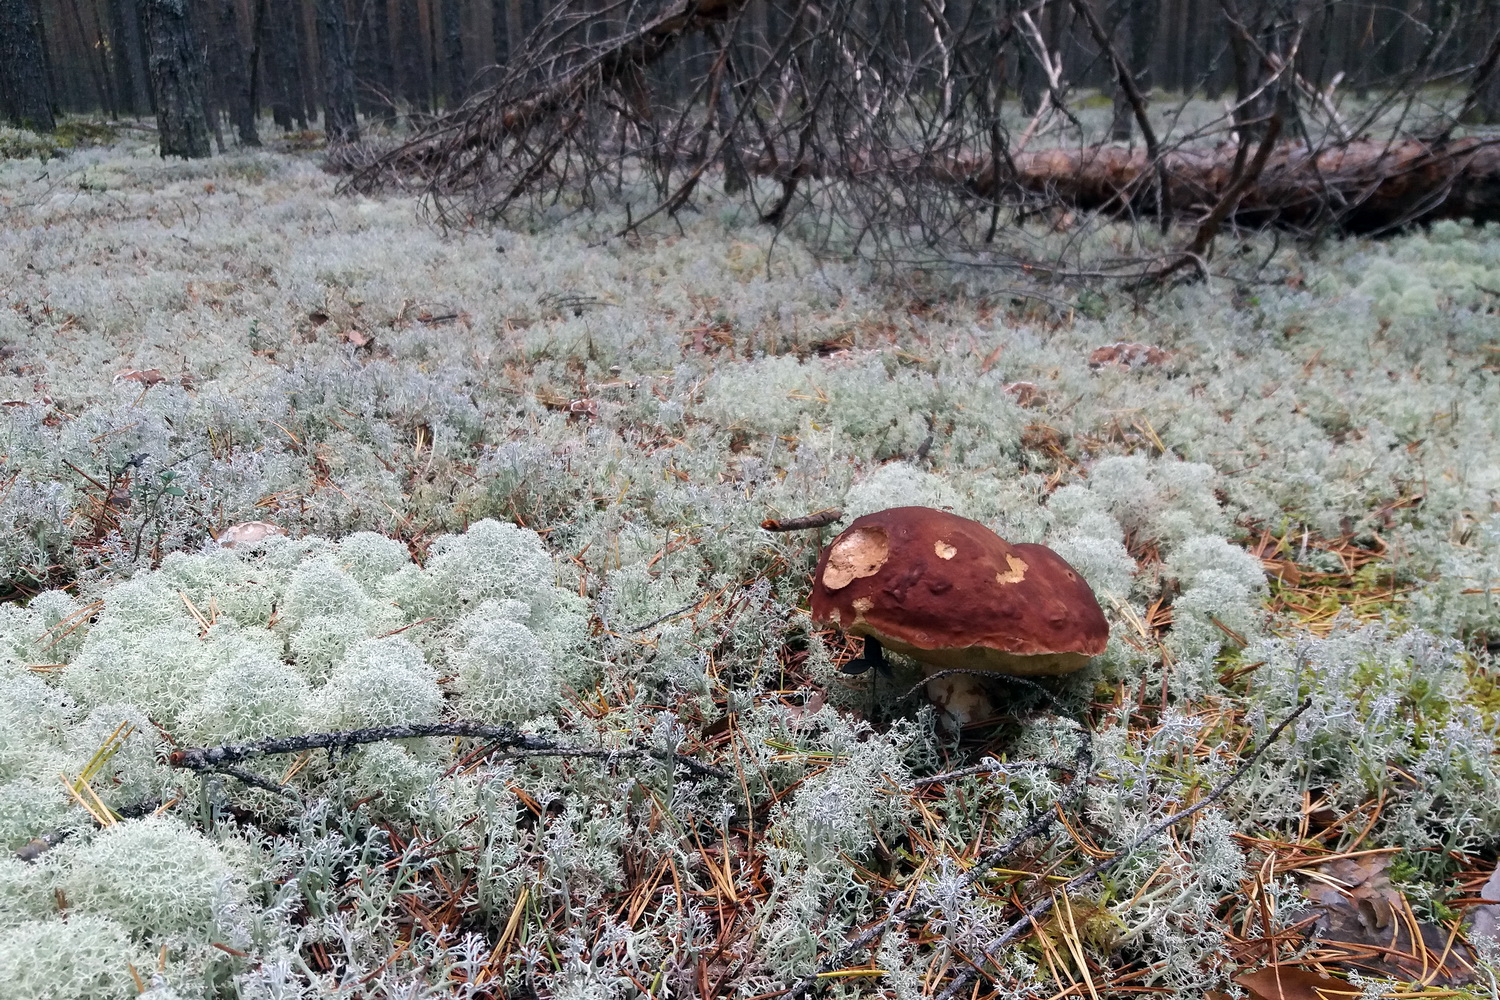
(944, 550)
(863, 604)
(1017, 571)
(857, 553)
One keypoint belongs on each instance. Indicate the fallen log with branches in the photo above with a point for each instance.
(1360, 187)
(906, 144)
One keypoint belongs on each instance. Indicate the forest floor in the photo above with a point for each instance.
(519, 475)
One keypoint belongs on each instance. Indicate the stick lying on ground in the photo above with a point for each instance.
(505, 739)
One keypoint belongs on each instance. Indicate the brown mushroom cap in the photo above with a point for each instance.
(950, 592)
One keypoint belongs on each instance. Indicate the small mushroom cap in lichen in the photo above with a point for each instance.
(949, 592)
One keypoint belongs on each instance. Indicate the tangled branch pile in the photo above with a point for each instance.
(900, 127)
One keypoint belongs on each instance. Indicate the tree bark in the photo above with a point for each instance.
(93, 59)
(416, 83)
(339, 118)
(375, 73)
(23, 68)
(123, 38)
(1363, 187)
(500, 30)
(234, 72)
(175, 66)
(284, 65)
(454, 67)
(1139, 21)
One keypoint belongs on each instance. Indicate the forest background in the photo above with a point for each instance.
(412, 427)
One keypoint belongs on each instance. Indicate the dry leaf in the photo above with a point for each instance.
(1292, 982)
(1126, 354)
(151, 376)
(1025, 393)
(1361, 921)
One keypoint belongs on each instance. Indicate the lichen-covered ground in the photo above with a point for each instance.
(522, 476)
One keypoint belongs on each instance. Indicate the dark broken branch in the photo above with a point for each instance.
(1126, 81)
(1209, 227)
(504, 740)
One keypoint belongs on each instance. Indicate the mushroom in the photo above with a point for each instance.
(952, 594)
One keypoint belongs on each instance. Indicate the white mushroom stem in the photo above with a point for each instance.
(961, 698)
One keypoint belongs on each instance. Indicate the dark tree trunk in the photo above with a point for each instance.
(1031, 79)
(234, 72)
(23, 68)
(416, 87)
(175, 66)
(284, 65)
(500, 30)
(375, 73)
(143, 48)
(252, 61)
(124, 38)
(307, 61)
(339, 118)
(93, 59)
(454, 67)
(1138, 26)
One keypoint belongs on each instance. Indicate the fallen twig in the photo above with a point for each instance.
(818, 519)
(506, 739)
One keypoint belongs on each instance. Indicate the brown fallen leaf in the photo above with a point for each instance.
(1363, 922)
(1025, 393)
(1293, 982)
(148, 377)
(1126, 354)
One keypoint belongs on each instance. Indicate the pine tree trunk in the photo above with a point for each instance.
(500, 30)
(123, 36)
(306, 93)
(282, 63)
(454, 66)
(1138, 21)
(175, 67)
(339, 118)
(416, 88)
(23, 68)
(93, 59)
(234, 72)
(1031, 79)
(375, 73)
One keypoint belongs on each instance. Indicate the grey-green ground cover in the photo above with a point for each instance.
(497, 456)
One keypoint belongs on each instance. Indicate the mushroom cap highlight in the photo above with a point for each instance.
(951, 593)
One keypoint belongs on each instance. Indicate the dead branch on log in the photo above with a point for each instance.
(1137, 106)
(1209, 228)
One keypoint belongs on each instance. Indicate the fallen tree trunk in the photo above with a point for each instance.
(1363, 187)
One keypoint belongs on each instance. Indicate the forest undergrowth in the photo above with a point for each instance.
(518, 477)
